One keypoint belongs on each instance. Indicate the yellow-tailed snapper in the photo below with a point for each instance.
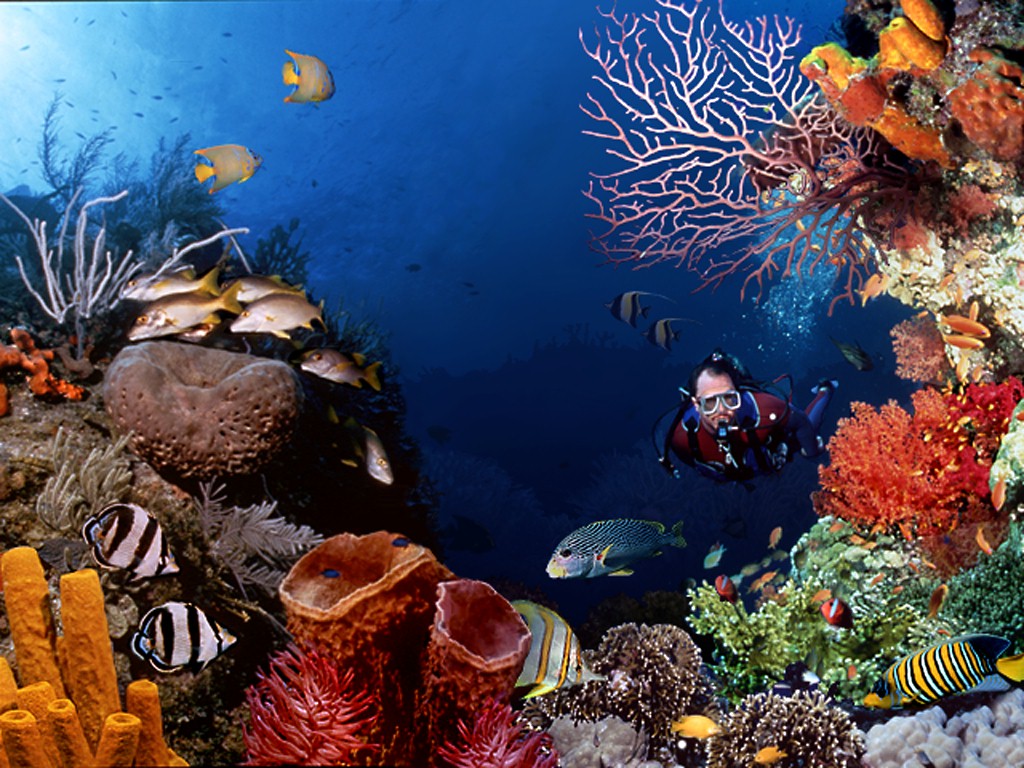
(154, 286)
(179, 312)
(336, 366)
(278, 313)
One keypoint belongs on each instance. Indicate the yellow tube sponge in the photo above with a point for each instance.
(27, 599)
(68, 736)
(142, 699)
(22, 740)
(914, 45)
(926, 17)
(87, 655)
(35, 699)
(8, 687)
(119, 741)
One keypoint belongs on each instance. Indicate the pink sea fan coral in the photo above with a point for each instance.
(306, 711)
(498, 739)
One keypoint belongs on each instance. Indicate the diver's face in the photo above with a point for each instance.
(715, 393)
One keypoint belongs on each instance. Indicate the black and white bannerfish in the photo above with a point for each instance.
(126, 536)
(176, 635)
(662, 334)
(555, 659)
(626, 306)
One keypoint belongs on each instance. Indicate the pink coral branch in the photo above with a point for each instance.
(725, 160)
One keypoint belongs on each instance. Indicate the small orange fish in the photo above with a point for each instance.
(982, 541)
(696, 727)
(874, 286)
(962, 342)
(838, 525)
(858, 540)
(877, 579)
(905, 530)
(761, 580)
(837, 613)
(897, 589)
(774, 536)
(820, 595)
(965, 325)
(937, 599)
(851, 672)
(973, 311)
(768, 755)
(999, 492)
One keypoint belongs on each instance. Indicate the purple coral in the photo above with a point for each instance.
(306, 711)
(498, 739)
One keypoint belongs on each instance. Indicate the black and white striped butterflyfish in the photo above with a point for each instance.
(963, 665)
(176, 635)
(554, 659)
(126, 536)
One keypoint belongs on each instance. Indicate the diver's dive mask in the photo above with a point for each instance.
(730, 400)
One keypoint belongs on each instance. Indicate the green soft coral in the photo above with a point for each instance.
(989, 598)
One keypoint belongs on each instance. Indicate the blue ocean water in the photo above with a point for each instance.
(439, 193)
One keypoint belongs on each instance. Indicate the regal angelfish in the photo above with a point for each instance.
(176, 635)
(127, 536)
(610, 546)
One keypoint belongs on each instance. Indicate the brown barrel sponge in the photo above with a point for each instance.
(199, 412)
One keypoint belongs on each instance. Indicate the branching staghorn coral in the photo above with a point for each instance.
(257, 546)
(80, 487)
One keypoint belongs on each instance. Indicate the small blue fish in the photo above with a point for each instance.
(610, 546)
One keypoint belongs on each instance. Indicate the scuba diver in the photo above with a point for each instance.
(729, 428)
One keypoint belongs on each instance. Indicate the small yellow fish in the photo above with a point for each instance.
(768, 755)
(277, 313)
(312, 79)
(696, 727)
(228, 163)
(982, 541)
(152, 287)
(255, 287)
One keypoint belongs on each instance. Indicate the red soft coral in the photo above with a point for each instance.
(924, 473)
(306, 711)
(497, 739)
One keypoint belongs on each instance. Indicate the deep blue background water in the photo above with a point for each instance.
(454, 143)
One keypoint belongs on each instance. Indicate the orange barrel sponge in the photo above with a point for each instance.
(369, 602)
(22, 741)
(478, 644)
(67, 734)
(142, 699)
(27, 600)
(86, 653)
(925, 16)
(119, 741)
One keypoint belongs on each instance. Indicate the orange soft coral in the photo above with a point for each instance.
(24, 354)
(919, 473)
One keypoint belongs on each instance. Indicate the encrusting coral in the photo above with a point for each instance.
(653, 677)
(806, 727)
(68, 710)
(202, 412)
(24, 354)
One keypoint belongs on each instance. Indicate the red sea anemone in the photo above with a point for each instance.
(306, 711)
(498, 739)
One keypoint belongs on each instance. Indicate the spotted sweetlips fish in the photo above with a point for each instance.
(610, 547)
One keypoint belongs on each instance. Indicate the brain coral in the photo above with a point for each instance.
(200, 412)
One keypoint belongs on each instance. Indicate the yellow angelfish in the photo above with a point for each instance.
(229, 163)
(310, 76)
